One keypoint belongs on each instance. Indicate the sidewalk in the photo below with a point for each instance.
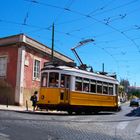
(14, 108)
(23, 109)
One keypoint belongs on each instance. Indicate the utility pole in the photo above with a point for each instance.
(103, 67)
(52, 56)
(103, 70)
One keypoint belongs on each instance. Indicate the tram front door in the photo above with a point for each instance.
(64, 90)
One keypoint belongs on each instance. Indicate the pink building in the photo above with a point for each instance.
(21, 59)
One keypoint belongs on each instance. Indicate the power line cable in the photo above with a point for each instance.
(27, 14)
(96, 19)
(117, 7)
(82, 13)
(120, 16)
(67, 6)
(46, 4)
(19, 23)
(117, 30)
(101, 8)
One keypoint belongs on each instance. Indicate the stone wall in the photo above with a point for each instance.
(6, 93)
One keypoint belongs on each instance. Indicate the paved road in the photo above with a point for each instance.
(123, 125)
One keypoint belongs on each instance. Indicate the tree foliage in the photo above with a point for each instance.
(133, 91)
(125, 83)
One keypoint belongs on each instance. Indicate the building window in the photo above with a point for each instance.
(3, 65)
(36, 72)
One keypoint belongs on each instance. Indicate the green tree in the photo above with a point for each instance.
(134, 92)
(125, 83)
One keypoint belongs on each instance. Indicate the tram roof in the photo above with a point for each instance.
(78, 72)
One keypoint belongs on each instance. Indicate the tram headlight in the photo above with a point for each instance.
(62, 91)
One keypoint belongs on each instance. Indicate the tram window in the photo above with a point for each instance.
(86, 84)
(105, 88)
(85, 80)
(78, 79)
(93, 86)
(110, 89)
(62, 82)
(65, 81)
(53, 79)
(86, 87)
(44, 80)
(78, 84)
(99, 87)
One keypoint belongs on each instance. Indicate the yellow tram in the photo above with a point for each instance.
(68, 88)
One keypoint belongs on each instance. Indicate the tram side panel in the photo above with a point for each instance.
(51, 97)
(95, 100)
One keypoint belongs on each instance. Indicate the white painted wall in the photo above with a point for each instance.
(20, 76)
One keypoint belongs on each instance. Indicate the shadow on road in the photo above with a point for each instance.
(134, 112)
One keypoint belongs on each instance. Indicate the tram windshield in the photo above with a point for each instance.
(44, 78)
(52, 79)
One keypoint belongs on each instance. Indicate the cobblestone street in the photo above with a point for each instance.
(56, 126)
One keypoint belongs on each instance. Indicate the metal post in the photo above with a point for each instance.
(103, 67)
(7, 102)
(26, 105)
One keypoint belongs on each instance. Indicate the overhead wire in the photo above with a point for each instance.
(115, 29)
(101, 8)
(67, 9)
(67, 6)
(122, 16)
(45, 4)
(25, 20)
(122, 33)
(20, 23)
(26, 15)
(117, 7)
(90, 16)
(108, 53)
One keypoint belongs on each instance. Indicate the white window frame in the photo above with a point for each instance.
(3, 65)
(36, 70)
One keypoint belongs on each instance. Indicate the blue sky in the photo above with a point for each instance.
(113, 24)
